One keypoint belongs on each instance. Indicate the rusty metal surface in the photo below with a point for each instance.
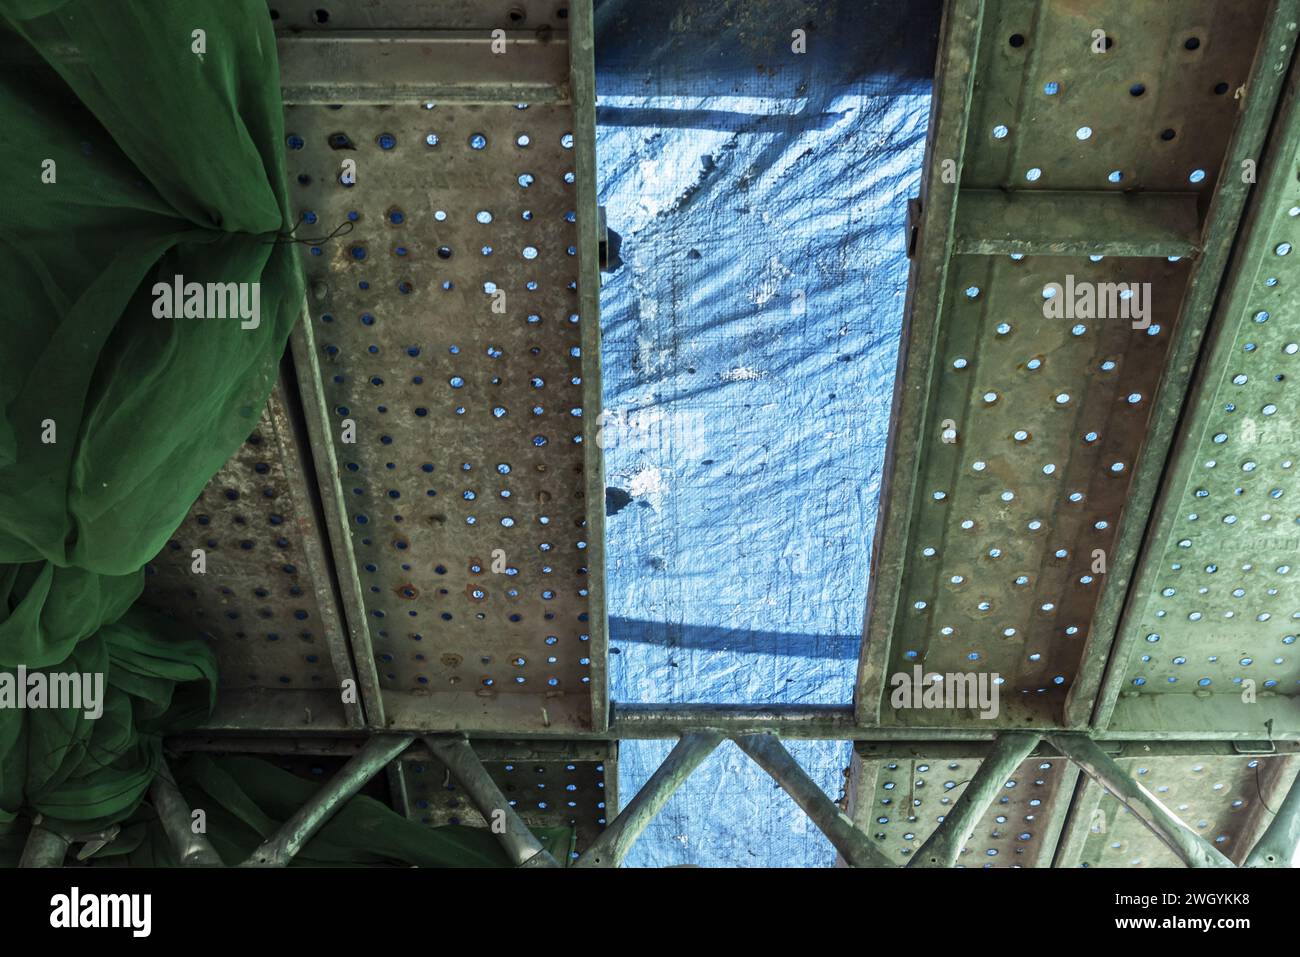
(474, 429)
(323, 16)
(335, 67)
(899, 800)
(1224, 800)
(265, 602)
(447, 329)
(1159, 103)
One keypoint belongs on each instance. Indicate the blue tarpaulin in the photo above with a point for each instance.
(759, 197)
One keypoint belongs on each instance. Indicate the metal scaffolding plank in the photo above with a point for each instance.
(1209, 632)
(1025, 446)
(452, 324)
(1221, 799)
(899, 800)
(265, 599)
(548, 784)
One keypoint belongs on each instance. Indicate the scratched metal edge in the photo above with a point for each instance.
(1187, 716)
(1246, 781)
(501, 751)
(267, 710)
(308, 61)
(860, 791)
(1224, 217)
(1057, 815)
(432, 715)
(347, 741)
(993, 222)
(863, 784)
(1101, 702)
(294, 447)
(296, 16)
(949, 115)
(583, 84)
(307, 369)
(248, 709)
(1086, 800)
(322, 94)
(1273, 785)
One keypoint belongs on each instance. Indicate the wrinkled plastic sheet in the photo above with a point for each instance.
(751, 333)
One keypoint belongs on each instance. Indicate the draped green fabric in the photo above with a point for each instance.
(246, 800)
(130, 159)
(142, 141)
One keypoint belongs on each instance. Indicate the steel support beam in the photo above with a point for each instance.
(1136, 556)
(44, 848)
(520, 843)
(1079, 821)
(651, 721)
(1280, 844)
(944, 152)
(1076, 223)
(192, 849)
(364, 66)
(1190, 847)
(582, 92)
(618, 838)
(945, 844)
(280, 848)
(770, 754)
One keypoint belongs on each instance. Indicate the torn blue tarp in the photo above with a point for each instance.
(759, 197)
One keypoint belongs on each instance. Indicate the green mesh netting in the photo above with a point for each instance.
(131, 159)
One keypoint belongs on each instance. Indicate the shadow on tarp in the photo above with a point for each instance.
(732, 46)
(736, 641)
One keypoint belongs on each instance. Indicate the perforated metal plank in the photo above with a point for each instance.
(265, 601)
(454, 327)
(900, 799)
(548, 784)
(1224, 800)
(1212, 625)
(1026, 446)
